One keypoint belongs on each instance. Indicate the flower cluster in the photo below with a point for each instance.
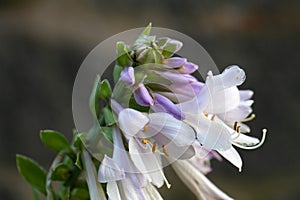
(162, 114)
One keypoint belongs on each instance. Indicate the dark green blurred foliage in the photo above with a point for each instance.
(42, 44)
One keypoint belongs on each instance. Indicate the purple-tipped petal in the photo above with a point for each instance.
(127, 76)
(142, 96)
(188, 68)
(176, 43)
(163, 104)
(174, 62)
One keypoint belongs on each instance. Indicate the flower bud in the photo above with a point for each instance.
(142, 96)
(127, 76)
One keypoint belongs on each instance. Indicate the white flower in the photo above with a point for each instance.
(220, 100)
(124, 181)
(171, 136)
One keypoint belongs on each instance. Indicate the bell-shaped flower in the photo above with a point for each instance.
(124, 180)
(172, 136)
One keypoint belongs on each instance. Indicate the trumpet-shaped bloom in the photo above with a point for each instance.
(124, 181)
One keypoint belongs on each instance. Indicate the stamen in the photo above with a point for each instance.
(213, 117)
(146, 127)
(165, 150)
(206, 114)
(145, 141)
(238, 129)
(264, 132)
(239, 133)
(154, 147)
(249, 118)
(235, 125)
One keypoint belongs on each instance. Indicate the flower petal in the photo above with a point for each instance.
(147, 162)
(245, 94)
(175, 130)
(197, 182)
(113, 191)
(127, 76)
(245, 139)
(174, 62)
(142, 96)
(232, 156)
(109, 171)
(163, 104)
(132, 121)
(212, 134)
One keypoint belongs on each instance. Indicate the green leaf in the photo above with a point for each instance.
(32, 172)
(105, 90)
(78, 161)
(54, 140)
(94, 106)
(36, 195)
(107, 132)
(147, 30)
(109, 117)
(80, 194)
(116, 73)
(123, 55)
(61, 172)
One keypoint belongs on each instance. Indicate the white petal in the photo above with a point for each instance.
(197, 182)
(245, 139)
(213, 135)
(246, 94)
(232, 156)
(113, 191)
(221, 101)
(177, 131)
(130, 191)
(147, 162)
(151, 193)
(95, 189)
(237, 114)
(231, 76)
(180, 152)
(109, 171)
(131, 121)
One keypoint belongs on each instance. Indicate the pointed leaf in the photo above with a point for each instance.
(105, 90)
(32, 172)
(116, 73)
(54, 140)
(147, 30)
(123, 55)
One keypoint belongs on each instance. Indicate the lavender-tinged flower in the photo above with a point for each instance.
(220, 95)
(181, 65)
(197, 182)
(169, 46)
(142, 96)
(127, 76)
(163, 104)
(161, 128)
(123, 179)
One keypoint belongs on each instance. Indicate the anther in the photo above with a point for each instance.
(213, 117)
(154, 147)
(165, 150)
(205, 114)
(146, 127)
(249, 118)
(145, 141)
(235, 125)
(238, 129)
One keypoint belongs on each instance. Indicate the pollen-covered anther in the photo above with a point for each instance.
(206, 114)
(146, 127)
(145, 141)
(154, 147)
(235, 125)
(165, 150)
(212, 117)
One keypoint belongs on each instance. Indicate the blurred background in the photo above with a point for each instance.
(42, 45)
